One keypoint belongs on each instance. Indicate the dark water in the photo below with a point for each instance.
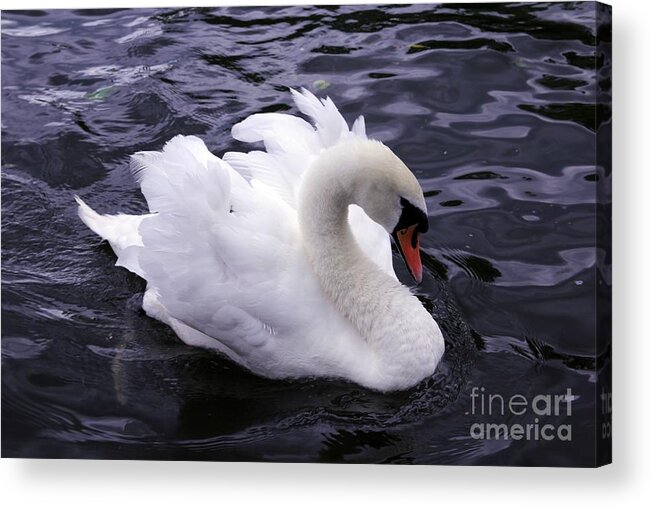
(492, 107)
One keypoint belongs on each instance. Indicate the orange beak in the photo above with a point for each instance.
(408, 243)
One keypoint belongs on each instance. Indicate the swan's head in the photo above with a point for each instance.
(390, 194)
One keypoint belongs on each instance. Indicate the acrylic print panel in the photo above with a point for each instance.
(500, 111)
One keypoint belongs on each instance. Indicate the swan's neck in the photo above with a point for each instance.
(388, 317)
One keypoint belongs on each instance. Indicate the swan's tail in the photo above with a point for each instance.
(121, 231)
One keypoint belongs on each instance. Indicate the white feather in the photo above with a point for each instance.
(221, 249)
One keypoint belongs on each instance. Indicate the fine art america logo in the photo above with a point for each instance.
(521, 418)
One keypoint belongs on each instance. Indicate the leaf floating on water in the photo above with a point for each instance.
(414, 48)
(102, 93)
(320, 85)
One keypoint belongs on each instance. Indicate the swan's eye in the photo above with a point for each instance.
(412, 215)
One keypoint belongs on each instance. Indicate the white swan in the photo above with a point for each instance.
(270, 257)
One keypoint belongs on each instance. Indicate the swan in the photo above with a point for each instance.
(281, 259)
